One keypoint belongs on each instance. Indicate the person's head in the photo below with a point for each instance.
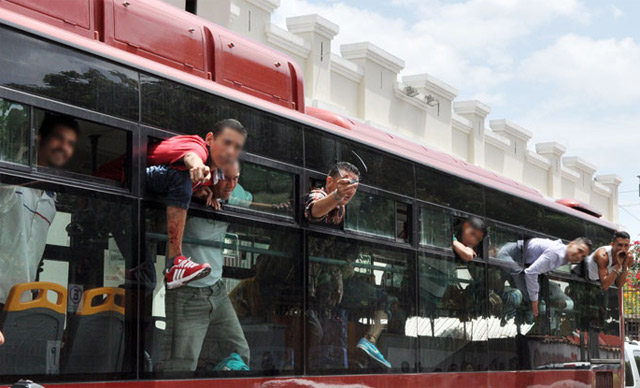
(339, 171)
(225, 142)
(224, 187)
(578, 249)
(620, 242)
(473, 231)
(57, 139)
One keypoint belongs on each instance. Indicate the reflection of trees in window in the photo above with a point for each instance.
(14, 132)
(115, 94)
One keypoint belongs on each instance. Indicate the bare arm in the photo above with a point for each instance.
(465, 253)
(625, 268)
(341, 196)
(197, 169)
(606, 278)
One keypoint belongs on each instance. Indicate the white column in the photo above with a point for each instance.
(553, 152)
(612, 181)
(476, 112)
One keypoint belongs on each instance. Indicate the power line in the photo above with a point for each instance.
(631, 214)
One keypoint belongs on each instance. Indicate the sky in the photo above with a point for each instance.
(567, 70)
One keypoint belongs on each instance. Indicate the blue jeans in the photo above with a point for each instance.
(176, 184)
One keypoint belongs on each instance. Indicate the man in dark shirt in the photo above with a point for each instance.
(328, 204)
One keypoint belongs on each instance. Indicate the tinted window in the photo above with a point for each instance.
(358, 290)
(371, 214)
(14, 132)
(321, 151)
(563, 225)
(101, 151)
(169, 105)
(451, 324)
(51, 70)
(436, 227)
(69, 308)
(250, 304)
(446, 190)
(513, 210)
(379, 169)
(264, 189)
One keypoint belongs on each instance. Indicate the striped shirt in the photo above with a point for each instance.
(335, 216)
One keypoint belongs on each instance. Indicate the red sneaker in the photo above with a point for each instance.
(184, 271)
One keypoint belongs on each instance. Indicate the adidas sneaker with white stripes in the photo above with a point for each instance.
(184, 271)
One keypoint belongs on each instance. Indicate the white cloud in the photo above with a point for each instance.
(463, 43)
(583, 70)
(616, 12)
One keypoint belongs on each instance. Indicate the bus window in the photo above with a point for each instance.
(183, 109)
(67, 286)
(245, 316)
(436, 227)
(14, 132)
(38, 66)
(264, 189)
(99, 151)
(360, 299)
(443, 189)
(451, 324)
(376, 215)
(514, 210)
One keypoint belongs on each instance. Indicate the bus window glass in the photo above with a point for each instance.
(513, 210)
(68, 285)
(636, 358)
(99, 151)
(568, 312)
(371, 214)
(360, 299)
(321, 151)
(435, 227)
(264, 189)
(446, 190)
(451, 324)
(14, 132)
(37, 66)
(247, 311)
(563, 225)
(179, 108)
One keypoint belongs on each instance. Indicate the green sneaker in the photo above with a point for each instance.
(233, 362)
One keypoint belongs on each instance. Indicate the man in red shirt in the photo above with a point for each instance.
(178, 165)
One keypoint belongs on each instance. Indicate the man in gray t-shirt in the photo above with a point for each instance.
(201, 321)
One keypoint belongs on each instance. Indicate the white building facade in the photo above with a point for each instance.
(364, 83)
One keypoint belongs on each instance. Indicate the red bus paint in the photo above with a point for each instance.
(580, 206)
(537, 379)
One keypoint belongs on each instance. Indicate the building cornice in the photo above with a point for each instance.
(287, 41)
(537, 160)
(601, 189)
(431, 84)
(552, 147)
(509, 128)
(609, 179)
(472, 107)
(496, 140)
(571, 175)
(345, 68)
(312, 23)
(577, 163)
(267, 5)
(401, 95)
(369, 51)
(460, 123)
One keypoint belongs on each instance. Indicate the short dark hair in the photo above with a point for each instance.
(334, 171)
(232, 124)
(620, 234)
(477, 223)
(585, 241)
(52, 120)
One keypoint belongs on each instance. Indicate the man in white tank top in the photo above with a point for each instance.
(610, 263)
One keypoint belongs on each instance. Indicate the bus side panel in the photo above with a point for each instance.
(72, 15)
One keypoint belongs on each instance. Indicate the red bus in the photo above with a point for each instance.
(131, 73)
